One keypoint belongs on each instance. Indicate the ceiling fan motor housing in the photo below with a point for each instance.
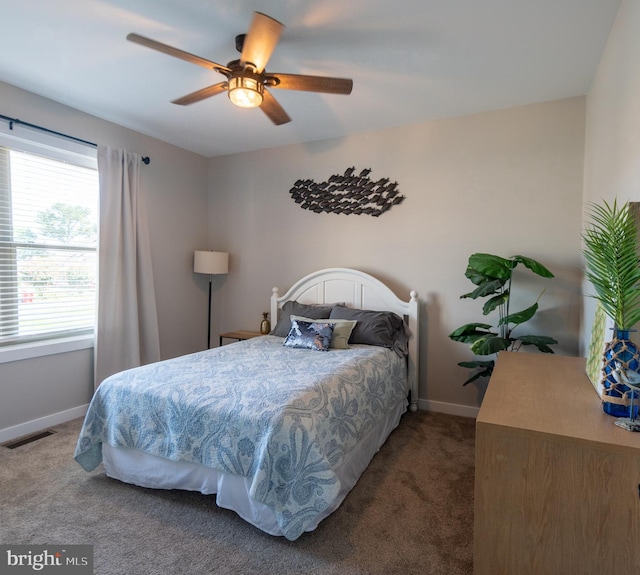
(240, 42)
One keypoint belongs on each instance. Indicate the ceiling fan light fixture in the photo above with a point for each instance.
(246, 91)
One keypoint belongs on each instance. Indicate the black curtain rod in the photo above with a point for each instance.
(13, 121)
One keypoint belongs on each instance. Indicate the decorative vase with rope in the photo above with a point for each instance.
(619, 353)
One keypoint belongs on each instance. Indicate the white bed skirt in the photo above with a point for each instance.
(232, 491)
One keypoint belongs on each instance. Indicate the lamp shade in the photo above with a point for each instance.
(205, 262)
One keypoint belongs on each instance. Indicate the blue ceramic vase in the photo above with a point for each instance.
(616, 395)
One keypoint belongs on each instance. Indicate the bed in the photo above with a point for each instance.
(280, 427)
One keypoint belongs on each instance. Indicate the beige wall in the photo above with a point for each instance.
(506, 182)
(175, 183)
(612, 144)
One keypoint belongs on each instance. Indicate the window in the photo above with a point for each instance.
(48, 240)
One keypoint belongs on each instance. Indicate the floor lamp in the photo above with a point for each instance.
(211, 263)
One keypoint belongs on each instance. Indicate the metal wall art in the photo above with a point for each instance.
(347, 194)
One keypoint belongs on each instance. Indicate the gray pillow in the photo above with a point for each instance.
(312, 311)
(382, 328)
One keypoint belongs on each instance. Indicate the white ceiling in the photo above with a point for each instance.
(410, 61)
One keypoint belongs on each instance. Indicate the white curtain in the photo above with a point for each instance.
(127, 322)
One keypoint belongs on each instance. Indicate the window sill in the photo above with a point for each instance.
(42, 348)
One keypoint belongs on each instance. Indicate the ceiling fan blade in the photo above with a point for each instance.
(201, 94)
(273, 109)
(261, 40)
(310, 83)
(166, 49)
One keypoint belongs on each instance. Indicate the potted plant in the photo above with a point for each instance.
(611, 265)
(493, 277)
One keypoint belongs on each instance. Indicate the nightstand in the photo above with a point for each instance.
(239, 335)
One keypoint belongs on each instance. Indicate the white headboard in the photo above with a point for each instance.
(362, 291)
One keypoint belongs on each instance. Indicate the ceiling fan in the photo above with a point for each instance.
(247, 80)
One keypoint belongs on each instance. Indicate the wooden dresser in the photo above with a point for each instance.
(557, 484)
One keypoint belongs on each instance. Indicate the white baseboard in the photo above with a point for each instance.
(449, 408)
(36, 425)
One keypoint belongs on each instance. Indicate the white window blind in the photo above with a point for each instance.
(48, 240)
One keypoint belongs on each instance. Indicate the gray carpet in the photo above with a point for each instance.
(411, 512)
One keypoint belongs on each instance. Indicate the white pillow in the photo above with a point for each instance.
(342, 329)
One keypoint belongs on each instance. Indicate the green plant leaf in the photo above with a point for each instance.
(478, 375)
(520, 317)
(477, 363)
(542, 342)
(471, 332)
(495, 302)
(534, 266)
(485, 371)
(490, 344)
(475, 276)
(485, 289)
(490, 265)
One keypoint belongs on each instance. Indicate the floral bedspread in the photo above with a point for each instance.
(283, 417)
